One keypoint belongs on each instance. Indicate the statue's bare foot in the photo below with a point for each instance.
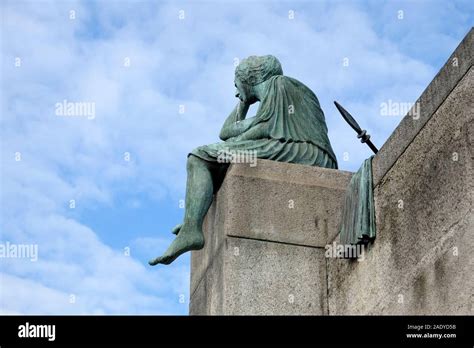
(176, 229)
(184, 241)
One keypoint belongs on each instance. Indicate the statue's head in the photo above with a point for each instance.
(253, 71)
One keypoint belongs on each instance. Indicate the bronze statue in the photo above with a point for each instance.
(289, 127)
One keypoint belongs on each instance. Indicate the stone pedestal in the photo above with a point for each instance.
(265, 237)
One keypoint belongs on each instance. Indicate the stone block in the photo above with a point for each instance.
(265, 235)
(253, 277)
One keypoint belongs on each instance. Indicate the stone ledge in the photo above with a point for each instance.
(288, 172)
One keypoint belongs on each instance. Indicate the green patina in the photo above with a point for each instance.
(358, 215)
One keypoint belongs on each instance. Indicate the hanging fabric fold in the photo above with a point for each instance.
(358, 214)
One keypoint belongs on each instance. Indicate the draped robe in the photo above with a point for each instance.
(289, 127)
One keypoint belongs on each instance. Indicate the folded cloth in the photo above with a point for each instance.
(358, 214)
(289, 127)
(283, 151)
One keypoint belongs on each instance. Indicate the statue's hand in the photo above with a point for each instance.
(232, 126)
(242, 109)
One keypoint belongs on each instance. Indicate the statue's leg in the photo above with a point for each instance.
(218, 171)
(199, 190)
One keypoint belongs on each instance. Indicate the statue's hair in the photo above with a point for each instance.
(257, 69)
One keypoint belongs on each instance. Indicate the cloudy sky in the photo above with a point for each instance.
(98, 193)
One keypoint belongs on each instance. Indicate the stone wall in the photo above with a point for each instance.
(422, 260)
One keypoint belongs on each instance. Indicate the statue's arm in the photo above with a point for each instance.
(236, 123)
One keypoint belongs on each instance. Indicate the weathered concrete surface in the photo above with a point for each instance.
(422, 260)
(254, 277)
(285, 202)
(265, 236)
(434, 95)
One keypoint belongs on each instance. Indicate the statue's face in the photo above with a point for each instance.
(244, 92)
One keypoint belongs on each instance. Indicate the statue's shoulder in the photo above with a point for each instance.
(283, 79)
(289, 81)
(299, 87)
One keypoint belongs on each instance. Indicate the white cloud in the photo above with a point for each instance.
(72, 260)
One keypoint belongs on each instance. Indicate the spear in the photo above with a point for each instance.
(361, 133)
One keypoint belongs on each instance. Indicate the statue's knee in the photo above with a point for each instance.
(192, 162)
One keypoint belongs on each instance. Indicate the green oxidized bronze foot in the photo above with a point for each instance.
(185, 241)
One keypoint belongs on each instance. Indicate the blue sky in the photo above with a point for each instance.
(361, 53)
